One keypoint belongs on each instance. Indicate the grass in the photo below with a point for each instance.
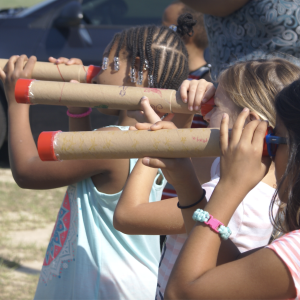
(18, 3)
(23, 211)
(15, 285)
(30, 207)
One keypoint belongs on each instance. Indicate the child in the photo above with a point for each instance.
(268, 273)
(195, 43)
(86, 257)
(250, 223)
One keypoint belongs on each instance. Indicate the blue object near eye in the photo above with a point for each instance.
(272, 142)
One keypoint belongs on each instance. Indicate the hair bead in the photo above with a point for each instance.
(116, 63)
(104, 63)
(146, 64)
(140, 78)
(132, 75)
(150, 81)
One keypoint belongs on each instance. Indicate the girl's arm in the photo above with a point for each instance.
(27, 168)
(135, 215)
(218, 8)
(257, 276)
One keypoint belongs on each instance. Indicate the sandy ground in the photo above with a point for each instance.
(39, 237)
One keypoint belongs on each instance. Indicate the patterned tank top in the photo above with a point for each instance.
(258, 28)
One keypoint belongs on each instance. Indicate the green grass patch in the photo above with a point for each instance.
(18, 3)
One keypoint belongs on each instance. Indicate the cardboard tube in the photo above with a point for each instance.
(168, 143)
(52, 72)
(100, 96)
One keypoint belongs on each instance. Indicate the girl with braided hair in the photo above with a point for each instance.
(87, 258)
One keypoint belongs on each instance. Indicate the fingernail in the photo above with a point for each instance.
(196, 107)
(146, 161)
(184, 100)
(224, 116)
(144, 98)
(246, 109)
(191, 108)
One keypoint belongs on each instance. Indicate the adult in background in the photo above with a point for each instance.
(242, 29)
(195, 44)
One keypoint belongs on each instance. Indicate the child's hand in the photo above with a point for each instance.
(66, 61)
(176, 170)
(195, 92)
(147, 114)
(241, 156)
(14, 70)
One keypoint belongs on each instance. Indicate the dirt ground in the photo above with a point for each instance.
(27, 219)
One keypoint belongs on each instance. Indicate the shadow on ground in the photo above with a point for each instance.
(17, 267)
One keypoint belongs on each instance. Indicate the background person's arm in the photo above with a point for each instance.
(218, 8)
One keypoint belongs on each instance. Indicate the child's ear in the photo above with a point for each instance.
(253, 116)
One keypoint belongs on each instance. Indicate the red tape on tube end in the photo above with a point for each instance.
(22, 90)
(45, 146)
(91, 73)
(265, 148)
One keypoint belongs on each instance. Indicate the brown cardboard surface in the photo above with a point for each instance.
(168, 143)
(105, 96)
(51, 72)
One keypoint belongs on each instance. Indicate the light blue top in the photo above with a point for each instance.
(258, 28)
(88, 259)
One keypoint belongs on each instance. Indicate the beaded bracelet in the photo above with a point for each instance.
(217, 226)
(189, 206)
(85, 114)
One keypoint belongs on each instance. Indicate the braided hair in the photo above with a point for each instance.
(162, 47)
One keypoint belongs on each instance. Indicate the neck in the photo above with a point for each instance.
(270, 178)
(196, 57)
(124, 120)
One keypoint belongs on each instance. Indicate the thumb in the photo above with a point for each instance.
(161, 163)
(149, 112)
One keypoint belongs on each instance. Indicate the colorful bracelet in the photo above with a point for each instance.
(217, 226)
(189, 206)
(85, 114)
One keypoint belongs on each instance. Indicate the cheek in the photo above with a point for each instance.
(281, 160)
(216, 117)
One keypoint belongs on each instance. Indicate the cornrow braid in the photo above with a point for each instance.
(134, 46)
(163, 49)
(165, 70)
(172, 71)
(156, 66)
(117, 35)
(148, 45)
(120, 43)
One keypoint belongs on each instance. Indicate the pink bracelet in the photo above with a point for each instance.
(85, 114)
